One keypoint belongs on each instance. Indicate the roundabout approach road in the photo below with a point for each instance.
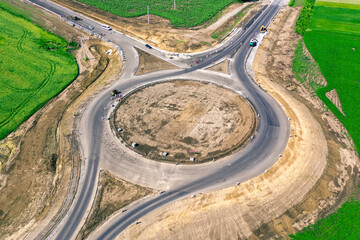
(101, 149)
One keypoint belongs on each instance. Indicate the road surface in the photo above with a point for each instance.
(102, 150)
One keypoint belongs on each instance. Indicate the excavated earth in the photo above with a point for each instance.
(185, 119)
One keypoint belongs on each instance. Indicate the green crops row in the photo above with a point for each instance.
(187, 13)
(333, 39)
(35, 65)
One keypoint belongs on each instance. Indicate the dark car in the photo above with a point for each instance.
(148, 46)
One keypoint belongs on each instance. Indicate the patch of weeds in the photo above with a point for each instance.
(146, 149)
(189, 140)
(164, 122)
(179, 156)
(53, 161)
(205, 43)
(306, 70)
(214, 153)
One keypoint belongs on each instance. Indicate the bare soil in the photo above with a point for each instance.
(186, 119)
(32, 191)
(160, 32)
(316, 173)
(112, 194)
(334, 98)
(222, 67)
(150, 63)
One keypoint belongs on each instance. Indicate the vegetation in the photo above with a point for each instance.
(335, 35)
(344, 224)
(295, 3)
(305, 16)
(306, 70)
(35, 66)
(338, 5)
(187, 13)
(230, 24)
(333, 40)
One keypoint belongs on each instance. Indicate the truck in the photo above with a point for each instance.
(253, 42)
(114, 92)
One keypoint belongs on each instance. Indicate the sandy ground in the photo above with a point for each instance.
(160, 32)
(222, 67)
(185, 119)
(312, 178)
(150, 63)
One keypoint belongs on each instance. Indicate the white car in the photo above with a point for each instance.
(91, 27)
(107, 27)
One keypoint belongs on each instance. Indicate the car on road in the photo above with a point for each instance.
(91, 27)
(148, 46)
(107, 27)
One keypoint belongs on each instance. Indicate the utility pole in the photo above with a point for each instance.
(174, 5)
(148, 14)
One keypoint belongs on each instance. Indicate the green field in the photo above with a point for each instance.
(343, 225)
(187, 13)
(334, 42)
(35, 66)
(342, 1)
(333, 39)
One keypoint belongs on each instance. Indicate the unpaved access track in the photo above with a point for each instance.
(185, 119)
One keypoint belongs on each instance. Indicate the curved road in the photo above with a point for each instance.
(98, 142)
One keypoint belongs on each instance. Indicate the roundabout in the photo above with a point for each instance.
(101, 149)
(184, 121)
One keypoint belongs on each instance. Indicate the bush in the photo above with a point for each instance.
(305, 16)
(291, 3)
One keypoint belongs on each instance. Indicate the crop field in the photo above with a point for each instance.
(335, 35)
(342, 1)
(35, 66)
(187, 13)
(344, 224)
(333, 39)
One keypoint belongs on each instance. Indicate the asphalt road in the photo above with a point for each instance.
(180, 181)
